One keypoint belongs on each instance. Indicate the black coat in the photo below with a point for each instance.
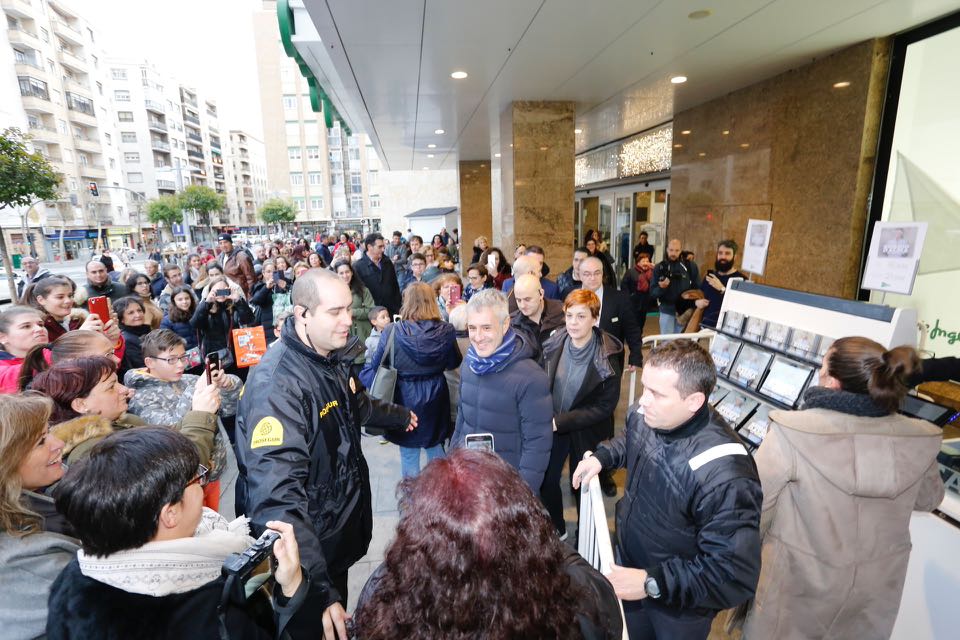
(590, 418)
(619, 319)
(214, 328)
(690, 513)
(298, 451)
(382, 282)
(683, 277)
(567, 283)
(550, 320)
(133, 351)
(85, 608)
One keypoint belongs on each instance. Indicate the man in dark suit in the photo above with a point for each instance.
(379, 275)
(617, 318)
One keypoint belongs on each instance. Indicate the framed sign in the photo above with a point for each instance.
(894, 256)
(756, 245)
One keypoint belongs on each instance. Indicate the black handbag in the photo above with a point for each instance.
(385, 381)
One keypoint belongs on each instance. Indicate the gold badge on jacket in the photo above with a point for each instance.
(267, 433)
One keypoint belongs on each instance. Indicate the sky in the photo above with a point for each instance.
(203, 43)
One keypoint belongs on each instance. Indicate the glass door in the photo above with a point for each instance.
(622, 246)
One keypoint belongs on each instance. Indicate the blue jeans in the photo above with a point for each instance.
(410, 458)
(669, 324)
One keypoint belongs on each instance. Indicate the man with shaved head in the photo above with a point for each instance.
(536, 316)
(671, 277)
(298, 439)
(532, 262)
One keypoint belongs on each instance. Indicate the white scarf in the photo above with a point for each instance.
(172, 566)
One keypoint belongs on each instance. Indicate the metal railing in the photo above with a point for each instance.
(191, 119)
(593, 541)
(156, 124)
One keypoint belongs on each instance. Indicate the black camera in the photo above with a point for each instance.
(243, 564)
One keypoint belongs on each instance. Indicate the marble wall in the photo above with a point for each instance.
(537, 176)
(798, 149)
(476, 206)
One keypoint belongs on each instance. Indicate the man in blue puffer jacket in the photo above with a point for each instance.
(502, 390)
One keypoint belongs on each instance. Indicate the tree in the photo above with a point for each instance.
(278, 212)
(164, 210)
(203, 200)
(25, 177)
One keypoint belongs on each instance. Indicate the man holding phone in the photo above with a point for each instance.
(298, 439)
(714, 285)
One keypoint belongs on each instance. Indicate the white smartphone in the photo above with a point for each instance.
(479, 441)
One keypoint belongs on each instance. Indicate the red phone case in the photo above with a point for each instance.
(100, 306)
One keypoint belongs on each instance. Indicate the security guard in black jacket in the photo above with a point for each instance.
(298, 439)
(688, 524)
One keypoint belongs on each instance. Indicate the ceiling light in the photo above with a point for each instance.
(431, 146)
(701, 154)
(543, 148)
(578, 131)
(429, 155)
(426, 168)
(685, 132)
(678, 79)
(458, 75)
(841, 85)
(700, 14)
(678, 146)
(496, 155)
(744, 145)
(483, 166)
(439, 132)
(726, 132)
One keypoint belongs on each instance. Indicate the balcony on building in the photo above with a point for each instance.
(155, 124)
(166, 185)
(218, 175)
(193, 120)
(74, 61)
(159, 145)
(26, 64)
(194, 136)
(68, 32)
(215, 142)
(153, 105)
(248, 192)
(86, 143)
(196, 170)
(193, 153)
(75, 85)
(42, 132)
(18, 8)
(81, 110)
(92, 171)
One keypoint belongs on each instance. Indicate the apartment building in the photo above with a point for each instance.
(246, 170)
(330, 177)
(60, 99)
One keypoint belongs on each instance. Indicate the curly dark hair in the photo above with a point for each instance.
(473, 551)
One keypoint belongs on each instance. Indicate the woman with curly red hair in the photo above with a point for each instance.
(475, 557)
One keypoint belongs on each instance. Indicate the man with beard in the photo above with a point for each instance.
(715, 283)
(671, 277)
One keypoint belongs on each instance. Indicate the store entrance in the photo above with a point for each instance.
(620, 213)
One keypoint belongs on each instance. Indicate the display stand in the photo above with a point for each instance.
(768, 349)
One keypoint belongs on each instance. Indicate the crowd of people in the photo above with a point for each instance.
(117, 438)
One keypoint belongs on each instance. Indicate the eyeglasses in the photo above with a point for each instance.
(201, 478)
(172, 360)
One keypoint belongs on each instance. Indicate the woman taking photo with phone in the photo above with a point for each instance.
(497, 266)
(217, 315)
(424, 346)
(449, 292)
(270, 297)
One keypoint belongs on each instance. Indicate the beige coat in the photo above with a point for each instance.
(838, 491)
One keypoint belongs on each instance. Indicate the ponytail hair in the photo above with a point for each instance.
(861, 365)
(42, 289)
(72, 344)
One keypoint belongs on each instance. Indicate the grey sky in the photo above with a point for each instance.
(203, 43)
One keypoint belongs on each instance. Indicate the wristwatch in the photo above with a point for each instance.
(651, 587)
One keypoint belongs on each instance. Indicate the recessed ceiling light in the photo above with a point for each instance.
(744, 145)
(700, 14)
(429, 155)
(496, 155)
(439, 132)
(685, 132)
(543, 148)
(458, 75)
(578, 131)
(726, 132)
(678, 79)
(678, 146)
(483, 166)
(841, 85)
(426, 168)
(701, 154)
(431, 146)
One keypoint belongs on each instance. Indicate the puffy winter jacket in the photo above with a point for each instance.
(182, 329)
(298, 451)
(513, 402)
(690, 514)
(422, 351)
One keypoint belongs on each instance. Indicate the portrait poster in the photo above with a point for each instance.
(756, 245)
(894, 256)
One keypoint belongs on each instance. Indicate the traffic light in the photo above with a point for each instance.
(94, 191)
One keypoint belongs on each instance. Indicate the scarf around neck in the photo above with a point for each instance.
(497, 360)
(855, 404)
(166, 567)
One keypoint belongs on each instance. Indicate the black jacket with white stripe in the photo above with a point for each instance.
(690, 514)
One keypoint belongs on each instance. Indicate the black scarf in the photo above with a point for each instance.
(854, 404)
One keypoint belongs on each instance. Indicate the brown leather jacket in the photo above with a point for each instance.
(239, 268)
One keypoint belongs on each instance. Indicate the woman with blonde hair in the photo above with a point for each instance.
(841, 478)
(423, 347)
(35, 542)
(480, 244)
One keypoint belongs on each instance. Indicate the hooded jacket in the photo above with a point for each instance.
(422, 351)
(298, 451)
(690, 513)
(590, 417)
(513, 403)
(838, 492)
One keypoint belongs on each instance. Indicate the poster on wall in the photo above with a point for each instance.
(894, 256)
(755, 246)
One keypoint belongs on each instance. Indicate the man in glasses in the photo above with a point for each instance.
(164, 393)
